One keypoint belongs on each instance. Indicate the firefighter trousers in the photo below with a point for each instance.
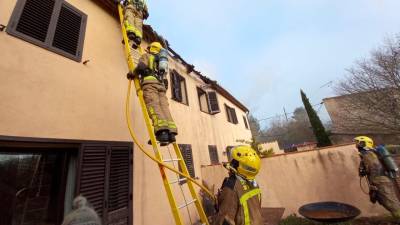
(157, 105)
(133, 20)
(386, 195)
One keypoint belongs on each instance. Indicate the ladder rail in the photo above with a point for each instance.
(195, 197)
(149, 127)
(158, 158)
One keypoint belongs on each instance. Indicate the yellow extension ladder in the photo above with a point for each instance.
(181, 176)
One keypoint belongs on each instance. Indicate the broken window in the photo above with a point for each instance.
(178, 88)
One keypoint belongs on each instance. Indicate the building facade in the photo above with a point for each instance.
(347, 121)
(62, 125)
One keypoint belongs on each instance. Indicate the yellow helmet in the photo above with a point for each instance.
(364, 142)
(247, 161)
(155, 47)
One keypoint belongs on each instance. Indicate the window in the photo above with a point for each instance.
(203, 100)
(40, 179)
(212, 150)
(231, 115)
(245, 122)
(33, 182)
(208, 101)
(186, 151)
(54, 25)
(229, 152)
(178, 88)
(105, 179)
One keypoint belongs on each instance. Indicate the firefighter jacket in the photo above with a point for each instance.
(372, 166)
(239, 203)
(147, 69)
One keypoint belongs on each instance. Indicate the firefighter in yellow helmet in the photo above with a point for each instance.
(380, 169)
(239, 199)
(151, 69)
(135, 11)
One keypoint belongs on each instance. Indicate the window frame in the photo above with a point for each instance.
(181, 79)
(203, 92)
(231, 114)
(50, 34)
(246, 122)
(79, 146)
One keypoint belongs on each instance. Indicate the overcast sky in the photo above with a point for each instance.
(265, 51)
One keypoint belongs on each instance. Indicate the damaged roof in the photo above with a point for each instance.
(150, 35)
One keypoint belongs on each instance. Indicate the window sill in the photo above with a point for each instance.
(187, 104)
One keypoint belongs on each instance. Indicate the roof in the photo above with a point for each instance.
(151, 35)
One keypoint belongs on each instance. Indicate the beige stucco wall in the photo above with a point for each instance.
(46, 95)
(295, 179)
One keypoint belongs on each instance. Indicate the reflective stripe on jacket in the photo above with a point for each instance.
(239, 203)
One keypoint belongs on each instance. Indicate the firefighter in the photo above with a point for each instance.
(135, 11)
(151, 69)
(239, 199)
(380, 172)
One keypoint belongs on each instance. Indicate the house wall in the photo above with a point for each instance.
(344, 128)
(45, 95)
(295, 179)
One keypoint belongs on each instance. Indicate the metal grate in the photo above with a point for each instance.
(68, 29)
(35, 19)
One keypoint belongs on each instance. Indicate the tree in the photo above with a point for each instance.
(318, 129)
(371, 92)
(255, 132)
(296, 130)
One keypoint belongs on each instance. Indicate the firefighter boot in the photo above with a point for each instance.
(171, 137)
(163, 137)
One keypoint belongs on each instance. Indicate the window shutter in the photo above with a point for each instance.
(92, 183)
(213, 102)
(105, 178)
(186, 151)
(67, 34)
(228, 113)
(51, 24)
(176, 88)
(35, 19)
(212, 149)
(234, 117)
(119, 193)
(245, 122)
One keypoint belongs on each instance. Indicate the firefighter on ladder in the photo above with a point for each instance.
(380, 170)
(239, 199)
(135, 11)
(151, 69)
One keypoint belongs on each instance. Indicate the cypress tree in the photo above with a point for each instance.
(318, 129)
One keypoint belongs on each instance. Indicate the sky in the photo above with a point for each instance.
(265, 51)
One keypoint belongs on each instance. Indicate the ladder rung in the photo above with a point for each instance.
(171, 160)
(178, 180)
(186, 204)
